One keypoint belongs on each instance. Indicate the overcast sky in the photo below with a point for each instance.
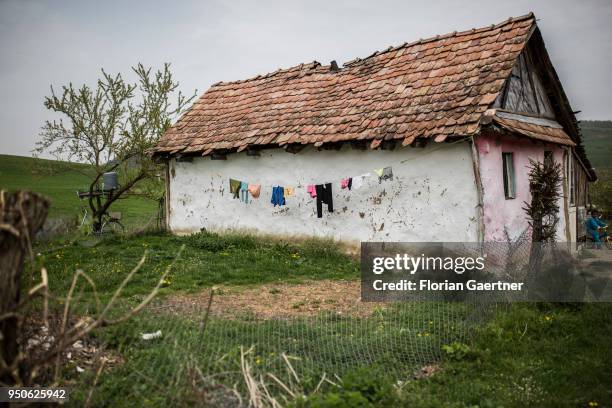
(47, 43)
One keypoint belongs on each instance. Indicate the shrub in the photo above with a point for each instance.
(458, 351)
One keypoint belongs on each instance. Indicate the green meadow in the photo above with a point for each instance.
(59, 183)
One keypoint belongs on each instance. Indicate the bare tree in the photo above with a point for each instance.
(112, 127)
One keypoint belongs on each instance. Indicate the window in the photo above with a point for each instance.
(548, 157)
(509, 181)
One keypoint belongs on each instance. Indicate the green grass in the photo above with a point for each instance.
(208, 259)
(527, 355)
(59, 183)
(328, 344)
(532, 355)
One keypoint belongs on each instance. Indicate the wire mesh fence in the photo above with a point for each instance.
(164, 353)
(264, 345)
(204, 348)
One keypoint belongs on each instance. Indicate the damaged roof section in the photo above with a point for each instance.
(432, 88)
(541, 129)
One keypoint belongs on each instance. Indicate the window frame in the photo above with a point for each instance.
(571, 179)
(509, 175)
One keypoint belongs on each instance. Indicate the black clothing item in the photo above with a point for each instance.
(324, 196)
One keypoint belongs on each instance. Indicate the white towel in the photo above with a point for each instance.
(359, 180)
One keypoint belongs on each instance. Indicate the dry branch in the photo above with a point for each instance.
(22, 214)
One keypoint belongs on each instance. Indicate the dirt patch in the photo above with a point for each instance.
(427, 371)
(38, 337)
(271, 301)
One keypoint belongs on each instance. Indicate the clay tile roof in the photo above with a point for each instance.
(431, 88)
(548, 132)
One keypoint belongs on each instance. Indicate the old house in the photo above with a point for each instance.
(454, 118)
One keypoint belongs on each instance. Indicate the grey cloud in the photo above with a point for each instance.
(56, 42)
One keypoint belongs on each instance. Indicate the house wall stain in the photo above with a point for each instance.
(408, 208)
(506, 218)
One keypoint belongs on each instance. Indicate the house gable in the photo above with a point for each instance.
(524, 91)
(563, 111)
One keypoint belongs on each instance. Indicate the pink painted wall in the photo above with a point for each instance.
(507, 214)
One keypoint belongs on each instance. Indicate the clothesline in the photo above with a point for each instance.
(322, 192)
(379, 173)
(368, 174)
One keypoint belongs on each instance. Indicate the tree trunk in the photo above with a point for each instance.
(97, 222)
(22, 214)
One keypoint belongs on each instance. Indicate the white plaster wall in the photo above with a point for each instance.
(431, 198)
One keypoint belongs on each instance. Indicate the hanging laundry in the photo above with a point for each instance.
(278, 196)
(311, 190)
(387, 174)
(289, 191)
(255, 190)
(346, 183)
(324, 196)
(358, 181)
(235, 187)
(244, 192)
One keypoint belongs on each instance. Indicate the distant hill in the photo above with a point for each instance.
(598, 143)
(48, 177)
(60, 181)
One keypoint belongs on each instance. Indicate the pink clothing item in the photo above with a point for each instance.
(344, 183)
(310, 189)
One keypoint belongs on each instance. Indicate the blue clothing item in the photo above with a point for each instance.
(592, 226)
(278, 196)
(244, 192)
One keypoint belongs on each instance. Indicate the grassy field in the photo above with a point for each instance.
(531, 355)
(208, 259)
(60, 184)
(527, 355)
